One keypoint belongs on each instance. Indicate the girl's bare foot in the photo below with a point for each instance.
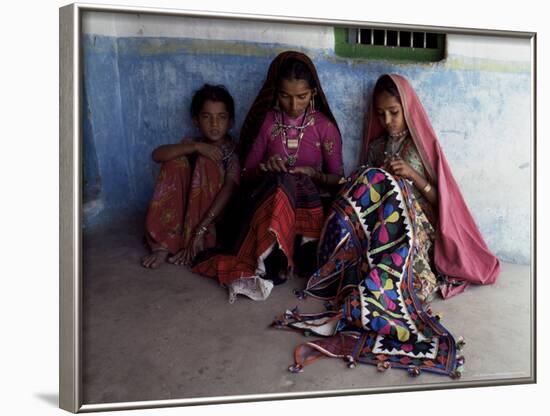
(155, 259)
(179, 258)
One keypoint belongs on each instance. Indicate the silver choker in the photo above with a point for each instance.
(399, 135)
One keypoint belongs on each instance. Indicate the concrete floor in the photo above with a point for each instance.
(168, 334)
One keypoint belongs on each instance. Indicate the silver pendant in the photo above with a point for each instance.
(291, 161)
(292, 143)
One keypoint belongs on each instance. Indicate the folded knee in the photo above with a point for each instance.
(179, 163)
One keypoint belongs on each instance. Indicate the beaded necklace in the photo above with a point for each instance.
(294, 143)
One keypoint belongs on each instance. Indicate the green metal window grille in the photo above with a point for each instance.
(386, 44)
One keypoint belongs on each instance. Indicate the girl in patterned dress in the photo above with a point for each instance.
(399, 138)
(396, 152)
(197, 177)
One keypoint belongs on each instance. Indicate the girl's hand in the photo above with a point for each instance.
(274, 164)
(196, 245)
(185, 256)
(306, 170)
(401, 168)
(210, 151)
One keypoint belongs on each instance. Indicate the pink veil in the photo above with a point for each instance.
(460, 251)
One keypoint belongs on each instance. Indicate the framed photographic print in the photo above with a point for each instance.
(229, 232)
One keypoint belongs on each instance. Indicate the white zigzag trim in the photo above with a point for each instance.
(379, 350)
(409, 231)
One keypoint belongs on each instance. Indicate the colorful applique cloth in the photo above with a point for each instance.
(374, 316)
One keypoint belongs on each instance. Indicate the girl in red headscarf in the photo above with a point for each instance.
(291, 150)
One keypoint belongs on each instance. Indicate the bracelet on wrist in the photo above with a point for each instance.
(202, 229)
(427, 188)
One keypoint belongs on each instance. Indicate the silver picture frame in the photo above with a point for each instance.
(71, 215)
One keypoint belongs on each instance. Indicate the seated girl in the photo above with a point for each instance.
(398, 231)
(400, 139)
(197, 177)
(292, 152)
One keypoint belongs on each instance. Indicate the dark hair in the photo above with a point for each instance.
(386, 84)
(212, 93)
(294, 69)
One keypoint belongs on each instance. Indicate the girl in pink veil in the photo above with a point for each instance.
(400, 138)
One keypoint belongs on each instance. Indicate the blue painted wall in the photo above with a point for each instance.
(138, 92)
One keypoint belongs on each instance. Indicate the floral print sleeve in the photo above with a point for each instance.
(331, 147)
(411, 156)
(259, 148)
(375, 153)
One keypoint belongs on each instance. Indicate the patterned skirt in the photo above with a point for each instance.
(263, 218)
(367, 251)
(184, 191)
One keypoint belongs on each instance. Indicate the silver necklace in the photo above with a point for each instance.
(292, 143)
(399, 135)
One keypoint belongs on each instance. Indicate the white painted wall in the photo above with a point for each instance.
(489, 47)
(300, 35)
(140, 25)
